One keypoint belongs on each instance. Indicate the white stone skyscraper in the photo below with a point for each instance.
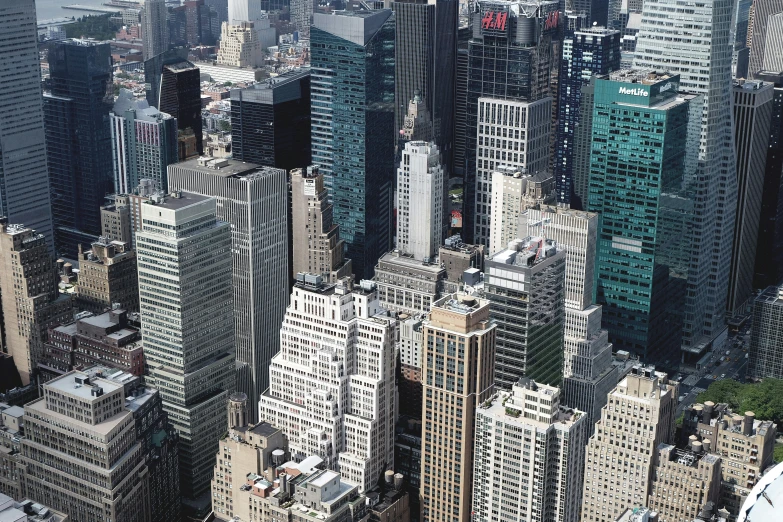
(703, 62)
(24, 178)
(420, 201)
(187, 323)
(155, 29)
(332, 385)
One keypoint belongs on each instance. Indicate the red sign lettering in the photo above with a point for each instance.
(500, 21)
(551, 20)
(488, 21)
(493, 20)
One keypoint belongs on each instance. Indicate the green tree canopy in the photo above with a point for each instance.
(764, 398)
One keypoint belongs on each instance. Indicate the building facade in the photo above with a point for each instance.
(758, 31)
(107, 277)
(155, 30)
(240, 46)
(420, 186)
(408, 285)
(764, 354)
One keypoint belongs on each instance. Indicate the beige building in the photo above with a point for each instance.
(318, 248)
(744, 443)
(456, 257)
(683, 481)
(107, 276)
(458, 364)
(240, 46)
(30, 301)
(116, 221)
(408, 285)
(637, 418)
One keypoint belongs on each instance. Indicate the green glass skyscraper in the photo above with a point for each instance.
(644, 151)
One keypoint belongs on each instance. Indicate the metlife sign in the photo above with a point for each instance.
(634, 92)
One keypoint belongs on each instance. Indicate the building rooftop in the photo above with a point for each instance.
(526, 253)
(177, 200)
(460, 303)
(221, 167)
(27, 510)
(642, 76)
(263, 429)
(81, 385)
(324, 478)
(126, 101)
(407, 261)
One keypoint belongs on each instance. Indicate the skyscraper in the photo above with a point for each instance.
(144, 143)
(339, 403)
(420, 200)
(458, 360)
(660, 46)
(243, 10)
(353, 134)
(317, 247)
(240, 46)
(270, 122)
(764, 352)
(78, 139)
(752, 118)
(646, 161)
(254, 201)
(510, 57)
(638, 416)
(184, 259)
(155, 30)
(758, 31)
(425, 61)
(586, 52)
(529, 426)
(302, 16)
(773, 47)
(24, 179)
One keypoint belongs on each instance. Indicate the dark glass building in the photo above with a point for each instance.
(353, 135)
(270, 122)
(78, 140)
(595, 50)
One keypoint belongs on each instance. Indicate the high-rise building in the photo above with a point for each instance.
(107, 277)
(645, 241)
(766, 337)
(773, 48)
(144, 143)
(586, 52)
(458, 360)
(741, 56)
(758, 33)
(408, 285)
(270, 122)
(254, 201)
(78, 139)
(29, 296)
(425, 61)
(240, 46)
(713, 183)
(530, 456)
(24, 178)
(752, 118)
(339, 404)
(302, 16)
(583, 143)
(510, 133)
(116, 221)
(420, 187)
(524, 284)
(155, 30)
(464, 33)
(510, 57)
(353, 134)
(638, 416)
(317, 247)
(244, 10)
(187, 323)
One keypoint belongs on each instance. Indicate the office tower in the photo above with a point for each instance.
(408, 285)
(270, 122)
(741, 56)
(583, 143)
(243, 10)
(684, 480)
(420, 187)
(144, 142)
(155, 30)
(586, 52)
(588, 372)
(240, 46)
(464, 33)
(745, 444)
(184, 259)
(592, 12)
(409, 386)
(254, 201)
(317, 247)
(30, 299)
(512, 134)
(646, 240)
(417, 125)
(425, 61)
(221, 9)
(766, 335)
(513, 192)
(458, 359)
(713, 187)
(174, 87)
(752, 117)
(24, 177)
(302, 16)
(773, 48)
(524, 284)
(107, 277)
(758, 31)
(529, 425)
(79, 139)
(353, 134)
(638, 416)
(116, 221)
(510, 57)
(339, 404)
(95, 437)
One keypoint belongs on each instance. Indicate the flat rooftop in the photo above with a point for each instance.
(184, 200)
(641, 76)
(221, 167)
(324, 478)
(67, 384)
(400, 259)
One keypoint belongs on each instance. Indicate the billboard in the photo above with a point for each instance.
(494, 21)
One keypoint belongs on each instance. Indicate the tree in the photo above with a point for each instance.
(764, 398)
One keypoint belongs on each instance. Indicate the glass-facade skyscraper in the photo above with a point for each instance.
(353, 136)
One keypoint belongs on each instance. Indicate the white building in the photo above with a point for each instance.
(511, 133)
(420, 200)
(529, 457)
(332, 385)
(240, 46)
(244, 11)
